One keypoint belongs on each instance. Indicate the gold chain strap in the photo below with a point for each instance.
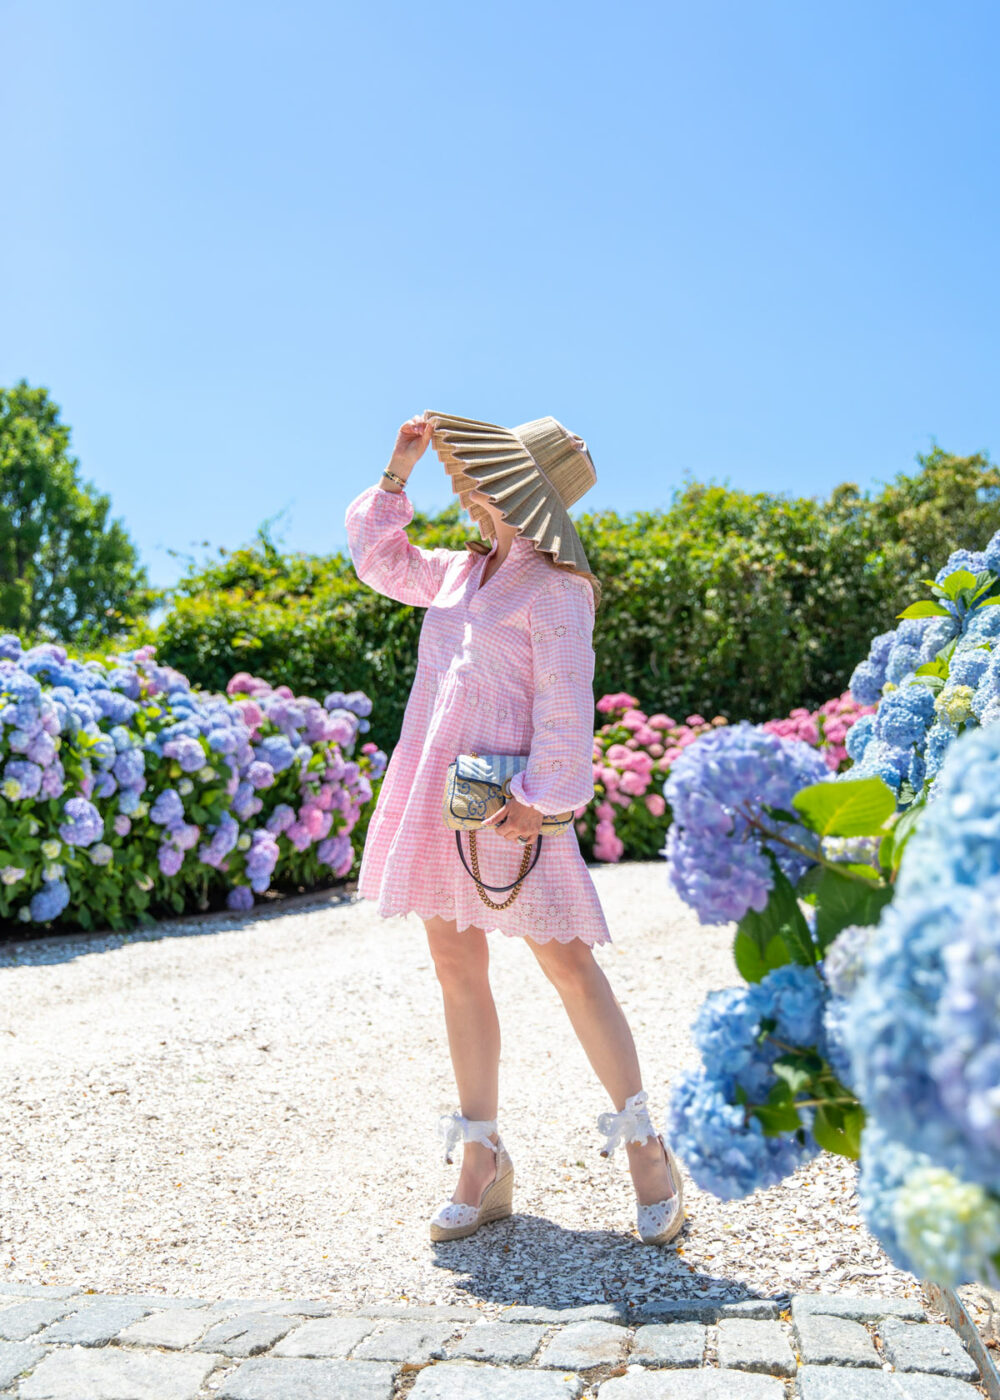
(520, 874)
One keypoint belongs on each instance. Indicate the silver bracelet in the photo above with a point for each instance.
(393, 477)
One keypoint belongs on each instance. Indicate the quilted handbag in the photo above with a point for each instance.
(476, 786)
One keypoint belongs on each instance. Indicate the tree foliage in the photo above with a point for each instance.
(67, 572)
(744, 604)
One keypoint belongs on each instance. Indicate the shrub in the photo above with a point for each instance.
(126, 793)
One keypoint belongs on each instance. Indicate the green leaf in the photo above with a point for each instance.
(753, 961)
(932, 682)
(955, 583)
(839, 1130)
(925, 608)
(858, 808)
(790, 920)
(779, 1114)
(842, 901)
(937, 667)
(989, 603)
(796, 1070)
(905, 828)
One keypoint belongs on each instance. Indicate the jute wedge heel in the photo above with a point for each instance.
(661, 1221)
(455, 1219)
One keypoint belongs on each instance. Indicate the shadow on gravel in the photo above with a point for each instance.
(15, 950)
(529, 1260)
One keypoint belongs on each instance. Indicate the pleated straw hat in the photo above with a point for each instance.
(532, 472)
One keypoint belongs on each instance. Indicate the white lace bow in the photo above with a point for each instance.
(454, 1128)
(632, 1124)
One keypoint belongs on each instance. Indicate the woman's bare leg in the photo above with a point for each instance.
(599, 1021)
(461, 961)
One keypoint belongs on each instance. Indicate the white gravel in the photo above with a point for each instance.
(243, 1106)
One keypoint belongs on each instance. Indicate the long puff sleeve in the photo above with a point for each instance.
(560, 773)
(384, 556)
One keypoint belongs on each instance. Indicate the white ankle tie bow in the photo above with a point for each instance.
(454, 1128)
(632, 1124)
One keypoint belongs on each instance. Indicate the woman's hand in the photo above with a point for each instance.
(411, 443)
(515, 819)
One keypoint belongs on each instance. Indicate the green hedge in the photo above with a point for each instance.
(727, 602)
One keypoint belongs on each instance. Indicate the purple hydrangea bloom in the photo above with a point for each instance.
(167, 809)
(187, 751)
(280, 819)
(336, 852)
(82, 824)
(183, 834)
(27, 775)
(222, 840)
(718, 862)
(129, 768)
(240, 897)
(277, 751)
(41, 749)
(260, 775)
(122, 824)
(105, 785)
(170, 858)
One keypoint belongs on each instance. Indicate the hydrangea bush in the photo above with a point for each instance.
(825, 729)
(633, 752)
(875, 895)
(125, 793)
(932, 677)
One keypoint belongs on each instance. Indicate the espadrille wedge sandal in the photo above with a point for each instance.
(659, 1222)
(455, 1219)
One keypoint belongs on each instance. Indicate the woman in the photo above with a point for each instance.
(505, 664)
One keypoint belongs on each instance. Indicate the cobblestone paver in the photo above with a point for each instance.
(67, 1344)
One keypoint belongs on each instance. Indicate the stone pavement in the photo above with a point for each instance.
(68, 1344)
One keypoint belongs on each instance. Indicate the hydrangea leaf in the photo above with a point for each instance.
(856, 808)
(842, 901)
(780, 918)
(839, 1130)
(779, 1114)
(925, 608)
(754, 961)
(954, 584)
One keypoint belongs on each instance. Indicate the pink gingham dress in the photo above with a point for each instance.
(507, 668)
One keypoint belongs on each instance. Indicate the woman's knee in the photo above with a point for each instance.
(571, 967)
(460, 956)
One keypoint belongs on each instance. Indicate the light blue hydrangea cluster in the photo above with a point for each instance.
(724, 1148)
(69, 731)
(907, 738)
(923, 1020)
(717, 860)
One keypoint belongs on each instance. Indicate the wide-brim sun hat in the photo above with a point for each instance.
(532, 473)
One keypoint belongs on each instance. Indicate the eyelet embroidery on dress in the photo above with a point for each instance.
(550, 724)
(560, 630)
(538, 634)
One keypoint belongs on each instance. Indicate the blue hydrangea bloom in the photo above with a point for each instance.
(717, 862)
(913, 1075)
(49, 901)
(904, 715)
(724, 1151)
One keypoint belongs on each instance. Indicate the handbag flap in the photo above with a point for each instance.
(488, 768)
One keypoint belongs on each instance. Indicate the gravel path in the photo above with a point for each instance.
(246, 1106)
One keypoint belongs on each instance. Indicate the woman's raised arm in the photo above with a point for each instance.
(384, 556)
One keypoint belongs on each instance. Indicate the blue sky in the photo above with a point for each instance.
(243, 242)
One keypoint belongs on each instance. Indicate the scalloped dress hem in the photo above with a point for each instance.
(538, 937)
